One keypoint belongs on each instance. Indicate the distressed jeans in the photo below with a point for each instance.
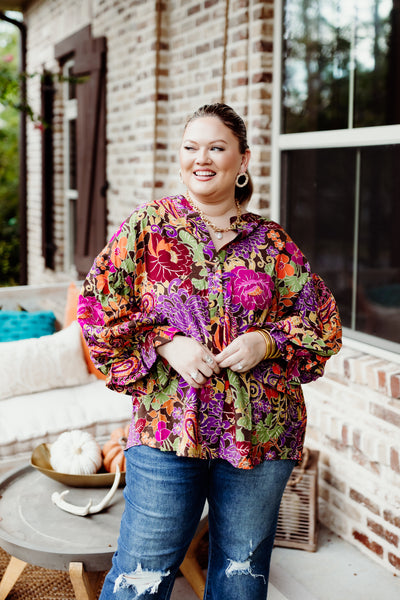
(164, 499)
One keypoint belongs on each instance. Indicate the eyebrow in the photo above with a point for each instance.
(212, 142)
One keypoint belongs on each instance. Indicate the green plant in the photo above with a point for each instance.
(9, 163)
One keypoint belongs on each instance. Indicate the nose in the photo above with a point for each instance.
(203, 156)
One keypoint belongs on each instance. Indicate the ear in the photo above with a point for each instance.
(245, 161)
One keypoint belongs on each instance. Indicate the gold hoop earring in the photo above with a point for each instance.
(180, 175)
(243, 183)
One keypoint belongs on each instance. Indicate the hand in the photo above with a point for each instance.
(194, 362)
(242, 354)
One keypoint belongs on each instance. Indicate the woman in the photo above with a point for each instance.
(210, 317)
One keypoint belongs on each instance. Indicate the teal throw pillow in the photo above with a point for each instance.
(20, 325)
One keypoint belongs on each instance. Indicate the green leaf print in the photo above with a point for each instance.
(200, 284)
(152, 212)
(265, 433)
(295, 283)
(171, 389)
(162, 374)
(245, 422)
(198, 254)
(147, 401)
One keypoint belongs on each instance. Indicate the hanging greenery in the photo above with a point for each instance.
(9, 160)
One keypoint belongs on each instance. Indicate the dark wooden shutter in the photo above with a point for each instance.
(89, 62)
(47, 95)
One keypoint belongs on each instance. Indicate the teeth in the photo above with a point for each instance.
(204, 173)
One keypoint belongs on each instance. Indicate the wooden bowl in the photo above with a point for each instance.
(40, 460)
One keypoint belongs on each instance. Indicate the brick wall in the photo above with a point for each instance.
(47, 23)
(164, 60)
(354, 420)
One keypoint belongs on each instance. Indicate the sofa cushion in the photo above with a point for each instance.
(37, 364)
(20, 325)
(31, 419)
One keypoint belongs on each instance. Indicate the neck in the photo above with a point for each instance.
(214, 208)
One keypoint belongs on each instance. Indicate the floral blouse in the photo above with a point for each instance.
(160, 275)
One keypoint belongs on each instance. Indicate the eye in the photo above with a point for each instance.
(189, 148)
(218, 148)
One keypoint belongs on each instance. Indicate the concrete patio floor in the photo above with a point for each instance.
(337, 571)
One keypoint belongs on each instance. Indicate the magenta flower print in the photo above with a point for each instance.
(296, 254)
(91, 310)
(250, 289)
(162, 432)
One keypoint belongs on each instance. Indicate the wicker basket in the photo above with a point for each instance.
(297, 521)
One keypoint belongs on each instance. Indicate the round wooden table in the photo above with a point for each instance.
(33, 530)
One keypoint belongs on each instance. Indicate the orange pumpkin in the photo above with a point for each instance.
(113, 450)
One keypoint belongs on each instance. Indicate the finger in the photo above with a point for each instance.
(230, 360)
(230, 350)
(196, 378)
(209, 359)
(238, 367)
(224, 355)
(205, 370)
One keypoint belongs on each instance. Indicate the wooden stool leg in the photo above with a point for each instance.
(84, 584)
(11, 574)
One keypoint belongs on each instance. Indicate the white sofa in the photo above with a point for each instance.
(45, 385)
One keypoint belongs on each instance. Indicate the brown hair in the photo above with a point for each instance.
(235, 123)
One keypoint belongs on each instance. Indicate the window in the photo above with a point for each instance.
(70, 180)
(340, 64)
(48, 235)
(338, 152)
(84, 58)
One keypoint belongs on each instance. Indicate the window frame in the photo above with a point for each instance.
(70, 113)
(358, 137)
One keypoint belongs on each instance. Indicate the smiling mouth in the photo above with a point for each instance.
(204, 174)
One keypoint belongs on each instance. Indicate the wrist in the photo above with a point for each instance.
(165, 344)
(271, 349)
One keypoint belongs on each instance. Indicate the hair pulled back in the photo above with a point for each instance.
(235, 123)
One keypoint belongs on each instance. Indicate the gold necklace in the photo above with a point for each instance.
(218, 230)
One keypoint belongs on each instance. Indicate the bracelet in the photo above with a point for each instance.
(271, 350)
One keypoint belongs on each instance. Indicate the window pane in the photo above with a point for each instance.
(320, 189)
(378, 289)
(71, 84)
(72, 154)
(316, 53)
(72, 230)
(377, 63)
(341, 64)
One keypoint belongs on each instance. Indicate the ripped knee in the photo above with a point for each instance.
(236, 567)
(142, 581)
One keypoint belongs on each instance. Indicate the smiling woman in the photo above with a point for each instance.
(211, 318)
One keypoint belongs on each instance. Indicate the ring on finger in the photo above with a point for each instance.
(240, 366)
(208, 359)
(194, 375)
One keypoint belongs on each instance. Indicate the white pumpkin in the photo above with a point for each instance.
(76, 453)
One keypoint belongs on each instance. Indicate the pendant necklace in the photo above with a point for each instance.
(218, 230)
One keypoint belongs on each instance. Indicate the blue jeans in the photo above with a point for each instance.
(164, 499)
